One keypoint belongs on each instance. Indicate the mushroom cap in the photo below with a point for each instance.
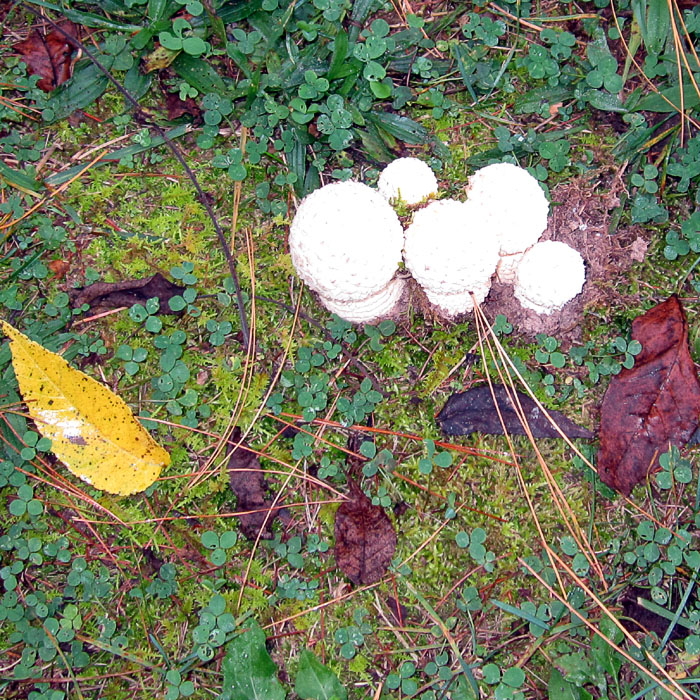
(448, 249)
(515, 203)
(345, 241)
(379, 305)
(408, 179)
(549, 274)
(450, 305)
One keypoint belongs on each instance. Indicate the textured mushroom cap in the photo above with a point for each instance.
(514, 201)
(408, 179)
(447, 249)
(345, 241)
(550, 274)
(450, 305)
(383, 303)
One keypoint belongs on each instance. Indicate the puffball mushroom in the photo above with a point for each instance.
(549, 274)
(383, 303)
(450, 253)
(346, 242)
(408, 179)
(517, 208)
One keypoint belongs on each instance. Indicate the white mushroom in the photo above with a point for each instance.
(408, 179)
(517, 208)
(345, 242)
(379, 305)
(550, 274)
(450, 252)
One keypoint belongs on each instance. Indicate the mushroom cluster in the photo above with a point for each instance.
(347, 243)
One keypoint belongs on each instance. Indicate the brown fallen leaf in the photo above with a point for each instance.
(365, 539)
(102, 296)
(473, 411)
(48, 55)
(177, 107)
(59, 268)
(652, 405)
(398, 610)
(248, 483)
(636, 618)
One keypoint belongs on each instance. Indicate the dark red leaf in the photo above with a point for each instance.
(365, 539)
(652, 405)
(177, 107)
(102, 296)
(48, 55)
(473, 411)
(248, 483)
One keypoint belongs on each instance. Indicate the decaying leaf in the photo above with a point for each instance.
(473, 411)
(365, 539)
(92, 431)
(59, 268)
(177, 107)
(637, 618)
(48, 55)
(248, 483)
(652, 405)
(102, 296)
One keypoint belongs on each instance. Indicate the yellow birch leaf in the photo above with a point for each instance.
(92, 431)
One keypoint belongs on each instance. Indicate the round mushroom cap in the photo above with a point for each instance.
(514, 201)
(408, 179)
(448, 249)
(345, 241)
(385, 302)
(550, 274)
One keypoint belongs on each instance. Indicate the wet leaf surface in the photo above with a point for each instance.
(103, 296)
(48, 55)
(652, 405)
(473, 411)
(249, 671)
(365, 539)
(314, 681)
(248, 483)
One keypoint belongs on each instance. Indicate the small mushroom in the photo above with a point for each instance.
(451, 254)
(549, 275)
(407, 179)
(345, 242)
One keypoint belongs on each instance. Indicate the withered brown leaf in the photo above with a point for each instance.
(177, 107)
(652, 405)
(102, 296)
(248, 483)
(474, 411)
(365, 539)
(48, 55)
(637, 618)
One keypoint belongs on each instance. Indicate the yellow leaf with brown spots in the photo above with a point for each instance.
(92, 431)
